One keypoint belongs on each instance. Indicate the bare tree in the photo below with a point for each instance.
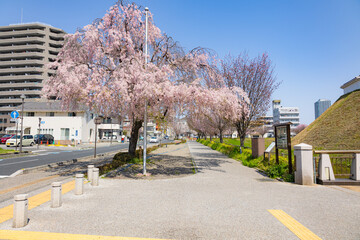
(256, 77)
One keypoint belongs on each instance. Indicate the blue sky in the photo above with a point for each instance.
(314, 44)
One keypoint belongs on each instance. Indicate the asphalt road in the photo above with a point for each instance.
(49, 155)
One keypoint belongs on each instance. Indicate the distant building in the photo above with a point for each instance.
(285, 114)
(320, 106)
(351, 85)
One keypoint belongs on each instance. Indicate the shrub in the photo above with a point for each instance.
(273, 170)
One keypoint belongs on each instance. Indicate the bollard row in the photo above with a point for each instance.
(21, 204)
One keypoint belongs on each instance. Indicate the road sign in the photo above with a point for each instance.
(98, 120)
(14, 120)
(14, 114)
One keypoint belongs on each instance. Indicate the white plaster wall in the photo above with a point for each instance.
(82, 122)
(352, 87)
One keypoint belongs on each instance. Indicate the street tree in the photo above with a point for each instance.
(299, 128)
(102, 67)
(256, 77)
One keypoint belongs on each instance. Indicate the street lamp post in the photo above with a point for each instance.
(22, 120)
(145, 116)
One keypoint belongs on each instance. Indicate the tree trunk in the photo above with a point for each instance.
(210, 138)
(221, 136)
(134, 136)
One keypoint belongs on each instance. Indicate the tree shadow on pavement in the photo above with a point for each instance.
(159, 166)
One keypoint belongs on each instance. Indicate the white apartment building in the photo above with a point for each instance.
(285, 114)
(25, 49)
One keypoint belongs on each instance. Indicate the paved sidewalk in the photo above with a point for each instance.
(224, 200)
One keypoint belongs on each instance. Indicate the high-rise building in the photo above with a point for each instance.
(320, 106)
(25, 49)
(285, 114)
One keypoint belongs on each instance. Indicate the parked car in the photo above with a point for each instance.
(109, 137)
(28, 140)
(6, 137)
(44, 139)
(154, 140)
(2, 134)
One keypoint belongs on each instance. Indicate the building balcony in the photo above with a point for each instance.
(20, 55)
(23, 48)
(15, 101)
(19, 92)
(22, 70)
(21, 77)
(22, 40)
(22, 62)
(21, 85)
(22, 33)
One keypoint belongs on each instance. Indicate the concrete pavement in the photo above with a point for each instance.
(224, 200)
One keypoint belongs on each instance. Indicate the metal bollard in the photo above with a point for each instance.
(56, 198)
(90, 172)
(79, 184)
(20, 211)
(95, 181)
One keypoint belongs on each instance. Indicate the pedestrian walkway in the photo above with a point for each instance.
(223, 200)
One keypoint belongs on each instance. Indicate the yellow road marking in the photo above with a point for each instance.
(297, 228)
(25, 235)
(6, 213)
(27, 184)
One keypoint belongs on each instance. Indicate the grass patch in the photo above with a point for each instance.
(269, 167)
(5, 151)
(337, 128)
(247, 143)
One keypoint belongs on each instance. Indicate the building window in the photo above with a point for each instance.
(50, 114)
(30, 114)
(107, 120)
(72, 114)
(47, 131)
(65, 134)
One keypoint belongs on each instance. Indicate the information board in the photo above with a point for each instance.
(281, 140)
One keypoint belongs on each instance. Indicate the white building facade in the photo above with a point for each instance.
(352, 85)
(285, 114)
(66, 127)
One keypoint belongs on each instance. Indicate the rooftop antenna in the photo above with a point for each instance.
(21, 16)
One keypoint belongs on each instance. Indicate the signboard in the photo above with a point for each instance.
(270, 147)
(14, 114)
(98, 120)
(281, 140)
(42, 122)
(76, 133)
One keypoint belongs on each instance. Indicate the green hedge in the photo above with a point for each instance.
(272, 170)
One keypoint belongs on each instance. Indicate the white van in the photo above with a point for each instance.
(28, 140)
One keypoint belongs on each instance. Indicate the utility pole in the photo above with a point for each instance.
(16, 132)
(39, 133)
(145, 116)
(22, 120)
